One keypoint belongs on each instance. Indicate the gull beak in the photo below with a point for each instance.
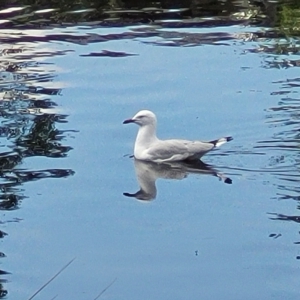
(128, 121)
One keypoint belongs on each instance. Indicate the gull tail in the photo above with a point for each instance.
(221, 141)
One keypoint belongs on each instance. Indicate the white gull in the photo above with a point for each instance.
(149, 148)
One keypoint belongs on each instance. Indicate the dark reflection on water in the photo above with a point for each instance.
(110, 13)
(285, 217)
(284, 145)
(107, 54)
(282, 217)
(279, 16)
(148, 172)
(29, 125)
(132, 12)
(285, 118)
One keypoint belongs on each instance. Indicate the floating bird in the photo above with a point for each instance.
(148, 147)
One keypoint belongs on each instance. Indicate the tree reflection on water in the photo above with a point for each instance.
(28, 125)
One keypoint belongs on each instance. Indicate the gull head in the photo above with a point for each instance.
(143, 118)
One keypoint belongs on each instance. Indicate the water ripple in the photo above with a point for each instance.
(29, 119)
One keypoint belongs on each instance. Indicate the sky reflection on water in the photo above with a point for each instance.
(68, 80)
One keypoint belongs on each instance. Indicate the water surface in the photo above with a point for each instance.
(70, 74)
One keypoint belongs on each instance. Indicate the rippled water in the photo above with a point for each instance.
(70, 74)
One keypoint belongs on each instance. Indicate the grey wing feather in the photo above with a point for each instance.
(179, 149)
(198, 147)
(167, 149)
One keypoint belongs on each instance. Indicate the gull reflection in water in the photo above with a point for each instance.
(148, 172)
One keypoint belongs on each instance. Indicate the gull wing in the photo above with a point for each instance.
(176, 150)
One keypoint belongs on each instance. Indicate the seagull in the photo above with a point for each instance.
(148, 147)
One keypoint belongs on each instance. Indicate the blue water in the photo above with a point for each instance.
(198, 237)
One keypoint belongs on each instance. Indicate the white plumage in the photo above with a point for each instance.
(149, 148)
